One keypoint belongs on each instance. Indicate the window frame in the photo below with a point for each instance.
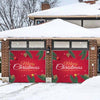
(76, 22)
(60, 48)
(27, 48)
(37, 48)
(70, 45)
(89, 24)
(17, 48)
(80, 48)
(39, 20)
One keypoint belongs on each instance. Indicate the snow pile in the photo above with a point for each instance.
(72, 9)
(89, 90)
(55, 28)
(92, 82)
(1, 81)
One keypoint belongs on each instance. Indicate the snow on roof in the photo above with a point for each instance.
(55, 28)
(69, 10)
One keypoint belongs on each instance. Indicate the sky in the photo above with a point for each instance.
(65, 2)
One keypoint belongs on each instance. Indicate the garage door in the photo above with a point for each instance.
(27, 61)
(70, 61)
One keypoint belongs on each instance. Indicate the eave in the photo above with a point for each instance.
(64, 16)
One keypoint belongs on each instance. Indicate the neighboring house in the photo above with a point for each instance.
(81, 14)
(88, 1)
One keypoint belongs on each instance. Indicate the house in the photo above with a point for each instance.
(82, 14)
(30, 54)
(88, 1)
(56, 51)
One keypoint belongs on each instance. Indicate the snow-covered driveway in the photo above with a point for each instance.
(39, 91)
(89, 90)
(7, 89)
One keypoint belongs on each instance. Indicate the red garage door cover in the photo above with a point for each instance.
(27, 66)
(70, 66)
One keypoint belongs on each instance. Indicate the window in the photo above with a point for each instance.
(36, 44)
(91, 23)
(79, 44)
(18, 44)
(61, 44)
(27, 45)
(39, 21)
(70, 44)
(77, 22)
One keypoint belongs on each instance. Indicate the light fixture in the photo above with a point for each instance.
(4, 39)
(92, 64)
(92, 48)
(48, 50)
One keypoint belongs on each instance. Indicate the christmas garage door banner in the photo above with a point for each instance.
(27, 66)
(70, 66)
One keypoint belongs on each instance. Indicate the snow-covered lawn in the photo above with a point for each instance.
(88, 90)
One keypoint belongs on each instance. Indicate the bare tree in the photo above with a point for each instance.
(14, 13)
(29, 6)
(53, 3)
(11, 15)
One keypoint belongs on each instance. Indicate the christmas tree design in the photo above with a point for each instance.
(54, 56)
(31, 79)
(40, 54)
(85, 76)
(11, 56)
(74, 79)
(27, 53)
(54, 78)
(11, 78)
(71, 53)
(83, 54)
(42, 77)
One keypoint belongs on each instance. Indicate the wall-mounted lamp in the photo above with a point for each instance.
(48, 50)
(4, 39)
(92, 48)
(92, 64)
